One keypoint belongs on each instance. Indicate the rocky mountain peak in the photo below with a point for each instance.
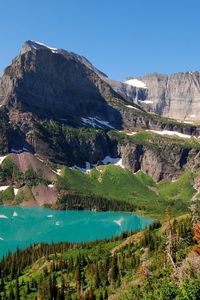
(30, 45)
(59, 84)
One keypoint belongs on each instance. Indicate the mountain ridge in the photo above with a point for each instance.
(174, 96)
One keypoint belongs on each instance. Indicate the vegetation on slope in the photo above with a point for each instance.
(107, 187)
(115, 183)
(129, 267)
(155, 139)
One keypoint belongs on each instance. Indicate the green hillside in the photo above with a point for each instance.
(139, 190)
(130, 267)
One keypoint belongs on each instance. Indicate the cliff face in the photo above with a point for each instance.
(160, 157)
(175, 96)
(165, 162)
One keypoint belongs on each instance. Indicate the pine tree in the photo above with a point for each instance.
(27, 288)
(170, 237)
(101, 296)
(97, 278)
(68, 293)
(106, 295)
(11, 293)
(62, 289)
(114, 272)
(53, 286)
(17, 295)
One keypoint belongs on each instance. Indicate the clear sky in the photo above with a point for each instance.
(120, 37)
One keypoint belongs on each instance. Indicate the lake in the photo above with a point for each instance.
(20, 226)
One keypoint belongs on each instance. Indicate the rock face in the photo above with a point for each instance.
(44, 195)
(160, 162)
(56, 83)
(25, 161)
(175, 96)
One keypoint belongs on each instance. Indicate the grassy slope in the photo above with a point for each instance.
(155, 139)
(144, 271)
(114, 182)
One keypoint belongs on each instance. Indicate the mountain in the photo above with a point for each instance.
(175, 96)
(57, 84)
(57, 110)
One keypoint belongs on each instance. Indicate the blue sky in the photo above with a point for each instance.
(120, 37)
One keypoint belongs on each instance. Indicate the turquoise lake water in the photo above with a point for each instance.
(20, 227)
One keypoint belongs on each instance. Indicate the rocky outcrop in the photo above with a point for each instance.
(26, 161)
(44, 195)
(129, 92)
(5, 133)
(159, 160)
(175, 96)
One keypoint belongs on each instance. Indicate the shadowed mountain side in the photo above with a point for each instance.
(51, 84)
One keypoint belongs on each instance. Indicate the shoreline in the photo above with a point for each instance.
(142, 214)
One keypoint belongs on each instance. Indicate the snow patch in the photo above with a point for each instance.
(2, 158)
(3, 188)
(114, 161)
(85, 170)
(130, 106)
(37, 45)
(50, 186)
(188, 122)
(136, 83)
(146, 101)
(171, 133)
(96, 122)
(16, 191)
(192, 116)
(39, 158)
(174, 180)
(58, 172)
(131, 133)
(107, 160)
